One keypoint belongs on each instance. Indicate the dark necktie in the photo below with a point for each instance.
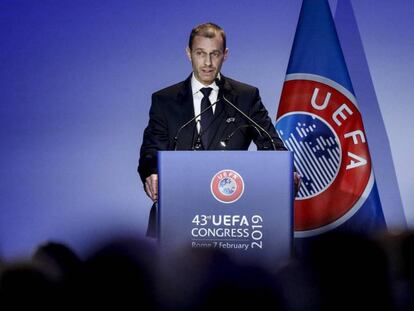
(207, 117)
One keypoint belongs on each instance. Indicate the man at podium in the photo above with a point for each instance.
(207, 111)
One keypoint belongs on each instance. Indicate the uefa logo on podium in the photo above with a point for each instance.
(227, 186)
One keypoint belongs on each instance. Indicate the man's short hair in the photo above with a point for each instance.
(207, 30)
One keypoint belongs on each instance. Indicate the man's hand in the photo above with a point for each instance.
(151, 187)
(296, 180)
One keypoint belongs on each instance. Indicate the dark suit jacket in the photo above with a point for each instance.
(173, 106)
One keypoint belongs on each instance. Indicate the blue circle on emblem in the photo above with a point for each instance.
(227, 186)
(316, 147)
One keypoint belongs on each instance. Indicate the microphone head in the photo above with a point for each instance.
(219, 82)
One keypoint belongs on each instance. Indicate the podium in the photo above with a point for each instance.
(240, 202)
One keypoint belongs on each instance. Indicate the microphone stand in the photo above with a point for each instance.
(226, 140)
(188, 122)
(252, 121)
(197, 145)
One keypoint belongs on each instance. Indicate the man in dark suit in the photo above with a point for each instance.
(220, 127)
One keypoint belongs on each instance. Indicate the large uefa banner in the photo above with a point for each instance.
(319, 120)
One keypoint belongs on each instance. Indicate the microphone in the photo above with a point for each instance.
(197, 145)
(189, 122)
(219, 83)
(224, 142)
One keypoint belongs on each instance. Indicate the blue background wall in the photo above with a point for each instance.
(75, 84)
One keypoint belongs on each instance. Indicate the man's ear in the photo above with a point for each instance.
(188, 52)
(226, 53)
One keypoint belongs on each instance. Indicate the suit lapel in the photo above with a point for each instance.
(185, 100)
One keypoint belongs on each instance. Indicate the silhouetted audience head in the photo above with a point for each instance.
(120, 272)
(351, 272)
(407, 252)
(23, 284)
(206, 279)
(337, 272)
(59, 259)
(243, 287)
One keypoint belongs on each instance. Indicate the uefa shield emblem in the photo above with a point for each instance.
(320, 122)
(227, 186)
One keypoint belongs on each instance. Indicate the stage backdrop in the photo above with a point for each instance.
(76, 79)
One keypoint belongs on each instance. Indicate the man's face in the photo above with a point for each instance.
(207, 56)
